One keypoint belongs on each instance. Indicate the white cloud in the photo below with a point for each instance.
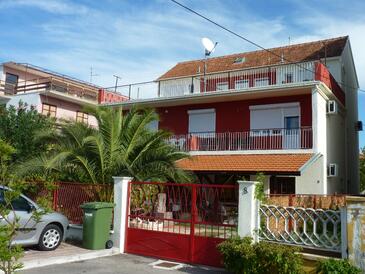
(52, 6)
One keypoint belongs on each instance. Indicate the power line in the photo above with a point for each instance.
(252, 42)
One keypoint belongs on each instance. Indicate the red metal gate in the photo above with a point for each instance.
(181, 222)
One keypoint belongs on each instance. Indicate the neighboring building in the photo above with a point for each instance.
(295, 121)
(53, 94)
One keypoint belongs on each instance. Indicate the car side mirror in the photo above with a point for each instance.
(31, 208)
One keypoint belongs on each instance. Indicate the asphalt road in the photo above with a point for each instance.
(118, 264)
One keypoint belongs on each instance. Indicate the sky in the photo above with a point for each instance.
(141, 39)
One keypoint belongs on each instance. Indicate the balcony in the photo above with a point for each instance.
(50, 84)
(284, 75)
(260, 139)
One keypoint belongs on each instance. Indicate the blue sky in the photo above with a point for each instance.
(140, 39)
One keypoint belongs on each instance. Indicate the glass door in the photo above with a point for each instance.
(291, 138)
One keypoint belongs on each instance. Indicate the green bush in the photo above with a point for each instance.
(332, 266)
(242, 256)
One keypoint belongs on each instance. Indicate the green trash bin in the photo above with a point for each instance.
(96, 225)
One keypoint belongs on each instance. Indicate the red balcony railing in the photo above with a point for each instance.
(260, 139)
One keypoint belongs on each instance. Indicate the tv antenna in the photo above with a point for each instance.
(92, 74)
(116, 81)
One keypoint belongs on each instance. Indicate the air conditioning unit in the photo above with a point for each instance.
(332, 170)
(332, 107)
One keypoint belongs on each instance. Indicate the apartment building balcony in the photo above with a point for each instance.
(252, 140)
(283, 75)
(50, 85)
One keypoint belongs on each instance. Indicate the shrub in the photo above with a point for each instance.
(243, 256)
(332, 266)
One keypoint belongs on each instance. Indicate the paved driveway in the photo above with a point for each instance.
(118, 264)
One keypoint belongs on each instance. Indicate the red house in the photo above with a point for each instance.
(292, 116)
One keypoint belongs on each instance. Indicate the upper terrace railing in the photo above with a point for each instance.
(49, 84)
(260, 139)
(239, 80)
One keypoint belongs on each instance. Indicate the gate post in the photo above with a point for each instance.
(120, 210)
(248, 210)
(355, 222)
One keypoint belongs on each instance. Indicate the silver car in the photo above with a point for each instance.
(47, 234)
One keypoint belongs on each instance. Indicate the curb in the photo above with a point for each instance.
(69, 259)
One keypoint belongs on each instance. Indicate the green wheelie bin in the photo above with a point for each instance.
(96, 225)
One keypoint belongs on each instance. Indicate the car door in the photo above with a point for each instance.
(22, 210)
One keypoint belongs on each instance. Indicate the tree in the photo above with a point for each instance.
(362, 169)
(121, 145)
(11, 188)
(19, 127)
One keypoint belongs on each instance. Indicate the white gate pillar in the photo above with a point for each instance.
(120, 211)
(248, 210)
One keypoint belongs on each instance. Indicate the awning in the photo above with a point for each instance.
(274, 163)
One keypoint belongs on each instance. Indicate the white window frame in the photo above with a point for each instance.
(274, 131)
(226, 84)
(238, 84)
(260, 80)
(191, 113)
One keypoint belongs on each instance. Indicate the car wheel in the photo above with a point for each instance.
(50, 238)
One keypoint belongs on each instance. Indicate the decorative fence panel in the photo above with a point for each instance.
(67, 197)
(183, 222)
(306, 227)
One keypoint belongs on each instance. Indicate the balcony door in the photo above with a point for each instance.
(291, 136)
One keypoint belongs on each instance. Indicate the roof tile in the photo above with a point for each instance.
(295, 53)
(246, 163)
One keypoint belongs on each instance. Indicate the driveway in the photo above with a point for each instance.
(118, 264)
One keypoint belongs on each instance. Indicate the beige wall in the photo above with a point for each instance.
(311, 179)
(65, 110)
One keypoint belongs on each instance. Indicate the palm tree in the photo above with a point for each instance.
(121, 145)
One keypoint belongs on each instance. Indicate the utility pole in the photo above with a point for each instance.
(92, 74)
(116, 81)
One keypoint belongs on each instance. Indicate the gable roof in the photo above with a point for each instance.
(295, 53)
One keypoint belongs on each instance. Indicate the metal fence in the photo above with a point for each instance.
(201, 210)
(67, 197)
(306, 227)
(260, 139)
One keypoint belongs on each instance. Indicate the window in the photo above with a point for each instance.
(282, 185)
(241, 84)
(82, 117)
(11, 79)
(291, 122)
(273, 116)
(49, 110)
(261, 82)
(18, 204)
(239, 60)
(288, 77)
(222, 86)
(153, 126)
(201, 120)
(11, 82)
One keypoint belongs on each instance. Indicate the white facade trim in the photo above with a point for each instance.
(309, 162)
(268, 106)
(201, 111)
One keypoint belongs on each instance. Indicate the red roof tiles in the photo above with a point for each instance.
(246, 163)
(295, 53)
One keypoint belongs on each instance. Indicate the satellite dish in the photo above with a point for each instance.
(208, 45)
